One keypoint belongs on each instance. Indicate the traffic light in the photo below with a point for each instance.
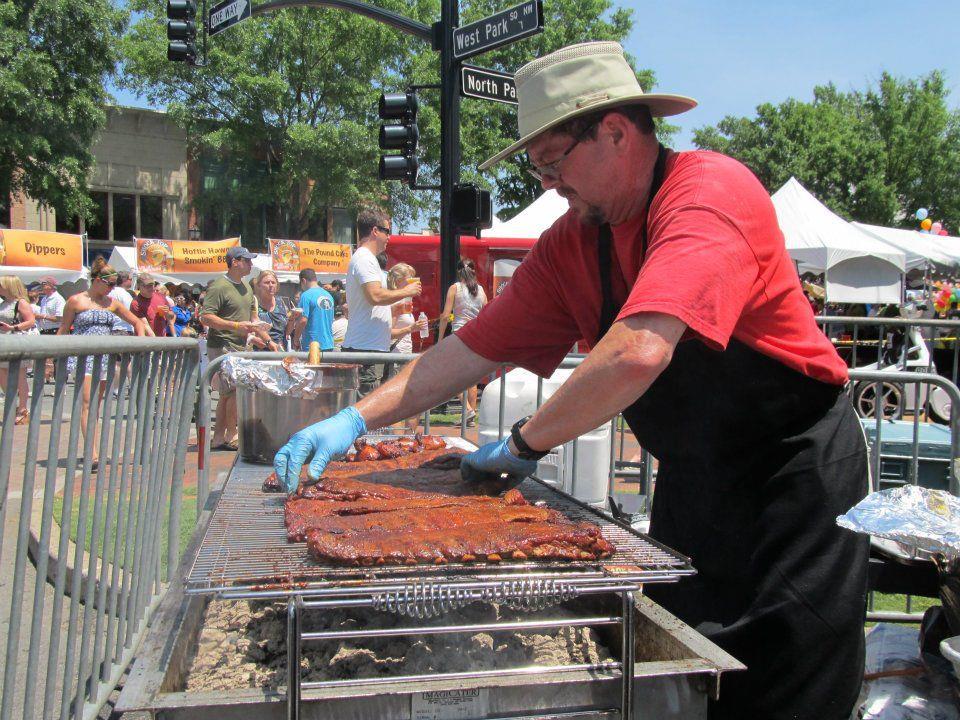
(181, 31)
(470, 208)
(403, 136)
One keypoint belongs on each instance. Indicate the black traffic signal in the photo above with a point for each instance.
(470, 208)
(403, 136)
(181, 31)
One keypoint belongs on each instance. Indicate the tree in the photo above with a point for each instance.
(288, 103)
(54, 58)
(872, 156)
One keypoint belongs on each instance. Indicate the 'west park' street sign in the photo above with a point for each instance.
(477, 82)
(498, 29)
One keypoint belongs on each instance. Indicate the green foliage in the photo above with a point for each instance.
(873, 156)
(288, 102)
(54, 57)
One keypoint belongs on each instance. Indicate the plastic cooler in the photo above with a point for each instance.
(896, 453)
(593, 448)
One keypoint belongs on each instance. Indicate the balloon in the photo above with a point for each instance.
(926, 232)
(927, 222)
(936, 228)
(944, 233)
(922, 214)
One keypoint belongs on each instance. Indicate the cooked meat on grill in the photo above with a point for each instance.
(408, 514)
(429, 451)
(483, 542)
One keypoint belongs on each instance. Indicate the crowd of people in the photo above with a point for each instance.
(371, 311)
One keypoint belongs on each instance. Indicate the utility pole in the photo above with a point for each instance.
(449, 144)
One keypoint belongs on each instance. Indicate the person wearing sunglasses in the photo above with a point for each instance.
(371, 318)
(672, 267)
(93, 313)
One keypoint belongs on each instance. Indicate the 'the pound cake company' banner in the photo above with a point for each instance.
(180, 256)
(297, 255)
(33, 248)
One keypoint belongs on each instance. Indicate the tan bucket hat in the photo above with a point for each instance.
(576, 80)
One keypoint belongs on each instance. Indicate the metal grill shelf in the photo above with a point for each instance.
(245, 549)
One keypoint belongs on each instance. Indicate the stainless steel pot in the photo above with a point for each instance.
(267, 420)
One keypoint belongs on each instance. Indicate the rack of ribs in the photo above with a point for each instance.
(490, 542)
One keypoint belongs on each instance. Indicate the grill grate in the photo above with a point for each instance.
(245, 548)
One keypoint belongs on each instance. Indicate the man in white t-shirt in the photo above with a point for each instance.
(121, 293)
(51, 306)
(368, 298)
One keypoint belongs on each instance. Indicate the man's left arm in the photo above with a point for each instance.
(622, 366)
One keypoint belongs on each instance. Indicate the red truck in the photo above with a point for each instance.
(495, 259)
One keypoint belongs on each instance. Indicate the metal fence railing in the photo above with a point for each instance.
(87, 549)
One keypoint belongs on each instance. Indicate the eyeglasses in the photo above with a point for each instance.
(112, 282)
(146, 285)
(552, 169)
(384, 230)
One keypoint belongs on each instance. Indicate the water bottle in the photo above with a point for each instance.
(424, 331)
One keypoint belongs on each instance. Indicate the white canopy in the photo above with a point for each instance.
(533, 219)
(857, 267)
(917, 246)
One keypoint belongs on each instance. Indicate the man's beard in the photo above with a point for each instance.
(593, 215)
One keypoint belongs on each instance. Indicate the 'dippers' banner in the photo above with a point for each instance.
(297, 255)
(183, 256)
(33, 248)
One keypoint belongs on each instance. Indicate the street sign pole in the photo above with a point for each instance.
(449, 146)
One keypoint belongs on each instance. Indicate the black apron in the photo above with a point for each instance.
(756, 462)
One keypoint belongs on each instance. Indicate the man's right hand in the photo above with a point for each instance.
(321, 441)
(413, 288)
(247, 327)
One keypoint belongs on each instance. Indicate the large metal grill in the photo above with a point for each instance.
(245, 550)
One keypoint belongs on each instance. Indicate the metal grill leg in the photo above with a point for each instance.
(627, 656)
(293, 658)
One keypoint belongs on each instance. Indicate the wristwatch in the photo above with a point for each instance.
(524, 451)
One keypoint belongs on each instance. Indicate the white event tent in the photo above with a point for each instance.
(532, 220)
(857, 267)
(917, 246)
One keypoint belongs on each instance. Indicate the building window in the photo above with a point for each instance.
(97, 227)
(151, 216)
(344, 229)
(124, 217)
(68, 223)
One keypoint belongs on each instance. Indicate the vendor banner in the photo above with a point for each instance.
(297, 255)
(33, 248)
(183, 256)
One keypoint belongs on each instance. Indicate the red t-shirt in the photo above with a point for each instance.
(715, 259)
(143, 308)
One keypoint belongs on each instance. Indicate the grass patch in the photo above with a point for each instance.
(898, 603)
(444, 418)
(188, 518)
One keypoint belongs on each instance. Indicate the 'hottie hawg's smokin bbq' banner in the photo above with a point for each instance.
(183, 256)
(33, 248)
(297, 255)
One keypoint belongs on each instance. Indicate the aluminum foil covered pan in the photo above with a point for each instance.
(915, 517)
(290, 378)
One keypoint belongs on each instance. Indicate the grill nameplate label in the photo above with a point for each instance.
(460, 704)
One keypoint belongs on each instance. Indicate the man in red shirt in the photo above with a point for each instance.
(151, 305)
(673, 268)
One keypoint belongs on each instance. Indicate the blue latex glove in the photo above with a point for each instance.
(494, 459)
(321, 441)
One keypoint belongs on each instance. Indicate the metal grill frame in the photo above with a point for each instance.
(245, 553)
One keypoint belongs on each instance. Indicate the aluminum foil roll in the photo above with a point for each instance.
(917, 518)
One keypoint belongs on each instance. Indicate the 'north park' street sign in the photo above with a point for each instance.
(477, 82)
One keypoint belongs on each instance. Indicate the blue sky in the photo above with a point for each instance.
(732, 55)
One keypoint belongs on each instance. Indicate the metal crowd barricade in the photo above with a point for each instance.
(74, 615)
